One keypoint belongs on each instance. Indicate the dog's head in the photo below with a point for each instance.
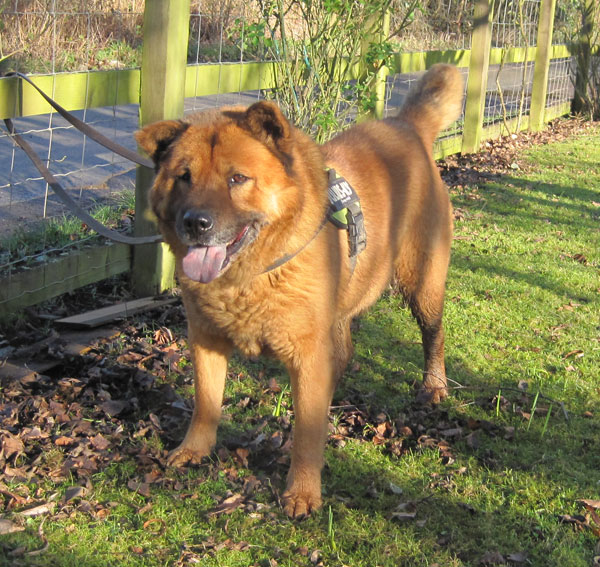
(222, 177)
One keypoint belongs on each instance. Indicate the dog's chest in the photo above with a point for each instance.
(246, 318)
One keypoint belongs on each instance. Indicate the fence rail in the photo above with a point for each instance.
(498, 110)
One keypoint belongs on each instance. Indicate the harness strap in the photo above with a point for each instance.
(69, 202)
(344, 212)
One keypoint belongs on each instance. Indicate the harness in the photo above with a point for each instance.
(344, 212)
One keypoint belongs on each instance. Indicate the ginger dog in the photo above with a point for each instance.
(239, 189)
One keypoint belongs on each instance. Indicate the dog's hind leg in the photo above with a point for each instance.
(343, 349)
(210, 356)
(426, 300)
(434, 388)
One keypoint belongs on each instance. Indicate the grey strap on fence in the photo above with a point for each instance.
(69, 202)
(87, 129)
(57, 187)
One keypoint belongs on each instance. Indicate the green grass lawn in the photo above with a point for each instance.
(496, 473)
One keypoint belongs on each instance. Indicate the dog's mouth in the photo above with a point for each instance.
(205, 263)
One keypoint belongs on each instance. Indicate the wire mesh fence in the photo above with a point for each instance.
(53, 37)
(66, 36)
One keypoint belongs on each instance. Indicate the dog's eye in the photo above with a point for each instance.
(237, 179)
(185, 176)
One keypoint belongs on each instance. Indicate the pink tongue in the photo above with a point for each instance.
(204, 263)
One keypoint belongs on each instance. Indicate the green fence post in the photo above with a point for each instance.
(164, 59)
(381, 76)
(478, 76)
(542, 65)
(379, 30)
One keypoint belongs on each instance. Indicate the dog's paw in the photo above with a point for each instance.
(431, 395)
(299, 504)
(183, 455)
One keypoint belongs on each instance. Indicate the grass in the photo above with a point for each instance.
(25, 247)
(523, 336)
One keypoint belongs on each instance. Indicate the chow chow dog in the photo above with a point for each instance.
(241, 197)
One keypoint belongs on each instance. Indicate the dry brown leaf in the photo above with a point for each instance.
(113, 408)
(100, 442)
(158, 525)
(139, 487)
(519, 557)
(73, 492)
(11, 445)
(39, 510)
(64, 441)
(8, 527)
(492, 558)
(228, 505)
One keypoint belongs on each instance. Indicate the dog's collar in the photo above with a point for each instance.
(344, 211)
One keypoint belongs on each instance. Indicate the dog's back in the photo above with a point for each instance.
(405, 204)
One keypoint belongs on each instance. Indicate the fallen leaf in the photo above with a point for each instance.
(139, 487)
(241, 455)
(100, 442)
(578, 353)
(64, 441)
(492, 558)
(8, 527)
(228, 505)
(73, 492)
(113, 408)
(405, 511)
(38, 510)
(158, 526)
(11, 445)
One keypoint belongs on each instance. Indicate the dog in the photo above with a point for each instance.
(241, 198)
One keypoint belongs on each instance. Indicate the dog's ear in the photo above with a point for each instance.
(266, 122)
(155, 138)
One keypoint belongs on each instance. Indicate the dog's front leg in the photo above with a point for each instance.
(210, 355)
(313, 383)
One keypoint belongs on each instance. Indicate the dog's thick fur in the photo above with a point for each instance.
(238, 188)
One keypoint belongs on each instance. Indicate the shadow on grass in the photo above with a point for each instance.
(515, 197)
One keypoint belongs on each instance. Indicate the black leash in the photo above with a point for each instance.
(288, 257)
(58, 188)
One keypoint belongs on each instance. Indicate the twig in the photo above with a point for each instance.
(43, 538)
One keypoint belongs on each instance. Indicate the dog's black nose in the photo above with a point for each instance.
(196, 223)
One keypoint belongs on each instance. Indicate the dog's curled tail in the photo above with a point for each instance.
(434, 102)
